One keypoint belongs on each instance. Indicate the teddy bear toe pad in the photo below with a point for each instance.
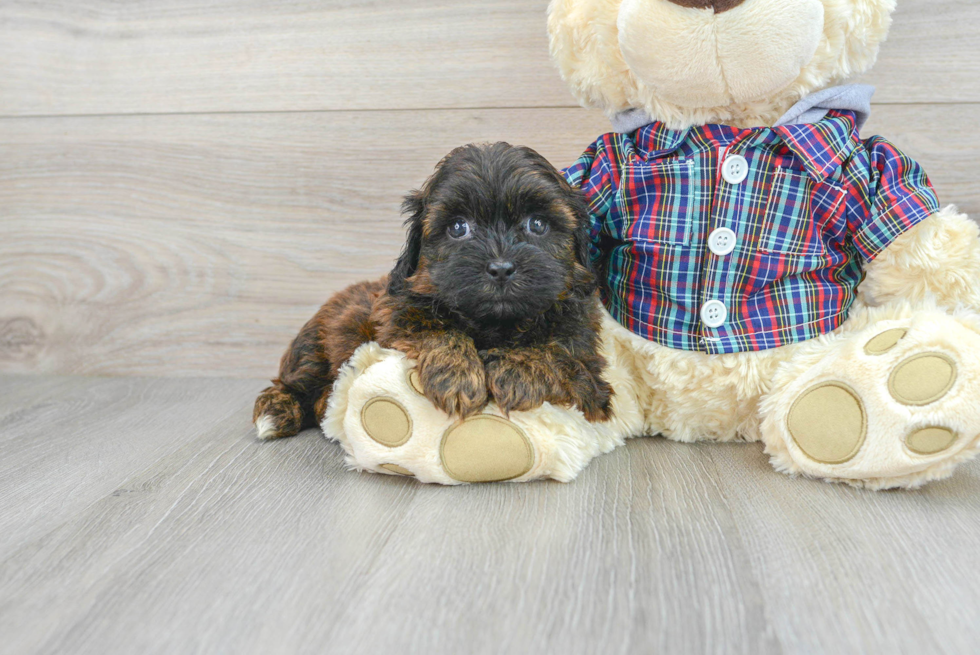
(885, 341)
(486, 448)
(386, 421)
(929, 441)
(922, 379)
(396, 469)
(828, 423)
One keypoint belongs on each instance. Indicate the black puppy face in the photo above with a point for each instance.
(495, 234)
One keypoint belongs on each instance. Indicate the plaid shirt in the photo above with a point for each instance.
(816, 205)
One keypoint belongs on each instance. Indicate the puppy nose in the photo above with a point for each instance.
(500, 270)
(718, 5)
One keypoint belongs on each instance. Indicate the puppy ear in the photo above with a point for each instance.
(408, 261)
(582, 251)
(583, 227)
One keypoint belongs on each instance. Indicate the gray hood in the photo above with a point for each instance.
(811, 109)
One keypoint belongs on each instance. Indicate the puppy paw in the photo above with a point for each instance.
(453, 379)
(523, 380)
(591, 394)
(277, 414)
(595, 399)
(517, 386)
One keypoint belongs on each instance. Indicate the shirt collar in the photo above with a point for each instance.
(822, 147)
(656, 139)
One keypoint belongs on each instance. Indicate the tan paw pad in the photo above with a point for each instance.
(885, 341)
(486, 449)
(397, 470)
(828, 423)
(415, 381)
(386, 421)
(929, 441)
(922, 379)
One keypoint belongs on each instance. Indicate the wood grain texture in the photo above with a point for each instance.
(105, 57)
(845, 565)
(187, 56)
(198, 245)
(139, 515)
(931, 56)
(224, 544)
(49, 476)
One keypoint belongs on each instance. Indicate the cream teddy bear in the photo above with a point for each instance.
(769, 275)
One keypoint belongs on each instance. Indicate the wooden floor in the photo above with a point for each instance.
(139, 516)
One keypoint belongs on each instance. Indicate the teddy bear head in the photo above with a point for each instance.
(690, 62)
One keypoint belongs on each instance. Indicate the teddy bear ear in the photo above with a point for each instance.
(584, 43)
(861, 29)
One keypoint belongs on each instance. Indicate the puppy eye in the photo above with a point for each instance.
(460, 229)
(536, 226)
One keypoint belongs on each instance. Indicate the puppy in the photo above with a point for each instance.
(492, 295)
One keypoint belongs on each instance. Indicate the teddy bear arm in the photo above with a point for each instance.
(938, 258)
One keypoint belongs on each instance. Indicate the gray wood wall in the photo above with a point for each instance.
(182, 183)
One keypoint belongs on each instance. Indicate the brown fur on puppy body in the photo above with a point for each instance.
(492, 295)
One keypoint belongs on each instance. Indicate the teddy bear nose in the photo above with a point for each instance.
(718, 5)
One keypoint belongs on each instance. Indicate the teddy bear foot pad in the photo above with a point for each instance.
(895, 409)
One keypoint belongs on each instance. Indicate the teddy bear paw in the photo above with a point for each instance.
(894, 407)
(378, 413)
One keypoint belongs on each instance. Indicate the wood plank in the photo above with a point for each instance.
(227, 544)
(22, 393)
(49, 475)
(932, 54)
(198, 245)
(844, 570)
(102, 57)
(187, 56)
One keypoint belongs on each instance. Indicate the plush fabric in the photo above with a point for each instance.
(810, 109)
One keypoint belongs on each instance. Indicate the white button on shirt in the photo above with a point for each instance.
(714, 313)
(721, 241)
(735, 169)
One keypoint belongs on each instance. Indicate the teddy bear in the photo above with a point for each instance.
(769, 274)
